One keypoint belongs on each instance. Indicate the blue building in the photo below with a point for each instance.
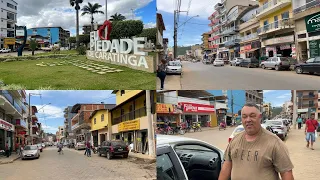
(55, 34)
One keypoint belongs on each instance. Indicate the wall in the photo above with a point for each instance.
(232, 3)
(239, 99)
(127, 95)
(100, 124)
(270, 17)
(44, 32)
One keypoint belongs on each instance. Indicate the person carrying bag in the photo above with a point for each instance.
(161, 72)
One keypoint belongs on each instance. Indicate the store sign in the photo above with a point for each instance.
(164, 108)
(283, 47)
(314, 47)
(19, 32)
(22, 132)
(129, 125)
(21, 123)
(10, 41)
(192, 107)
(313, 22)
(247, 47)
(279, 40)
(6, 126)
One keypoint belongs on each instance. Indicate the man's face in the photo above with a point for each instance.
(251, 117)
(312, 116)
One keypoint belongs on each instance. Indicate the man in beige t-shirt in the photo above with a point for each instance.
(256, 153)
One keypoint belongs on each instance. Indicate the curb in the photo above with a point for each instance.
(149, 161)
(11, 161)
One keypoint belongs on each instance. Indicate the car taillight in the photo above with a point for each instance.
(127, 148)
(111, 149)
(229, 140)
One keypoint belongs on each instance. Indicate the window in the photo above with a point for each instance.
(165, 168)
(102, 117)
(122, 112)
(10, 6)
(122, 92)
(95, 121)
(285, 15)
(10, 16)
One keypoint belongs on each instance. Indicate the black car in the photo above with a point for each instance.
(311, 66)
(249, 62)
(113, 148)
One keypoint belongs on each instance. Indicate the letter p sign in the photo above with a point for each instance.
(107, 28)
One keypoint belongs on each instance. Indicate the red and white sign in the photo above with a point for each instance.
(6, 126)
(198, 108)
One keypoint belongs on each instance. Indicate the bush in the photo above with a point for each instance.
(81, 50)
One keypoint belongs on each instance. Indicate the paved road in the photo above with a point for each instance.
(306, 161)
(73, 165)
(199, 76)
(23, 53)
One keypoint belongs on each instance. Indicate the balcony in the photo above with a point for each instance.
(223, 21)
(249, 37)
(130, 116)
(210, 39)
(271, 7)
(224, 10)
(307, 6)
(232, 42)
(276, 26)
(74, 126)
(9, 104)
(309, 97)
(218, 6)
(231, 31)
(213, 15)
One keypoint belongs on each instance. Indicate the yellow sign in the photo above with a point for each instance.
(10, 41)
(164, 108)
(129, 125)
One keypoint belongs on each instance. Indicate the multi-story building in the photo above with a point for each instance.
(307, 31)
(287, 109)
(131, 120)
(256, 97)
(7, 24)
(68, 116)
(61, 130)
(276, 28)
(248, 26)
(267, 113)
(196, 51)
(54, 34)
(205, 43)
(159, 42)
(307, 103)
(87, 28)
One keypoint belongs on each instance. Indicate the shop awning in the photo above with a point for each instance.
(251, 50)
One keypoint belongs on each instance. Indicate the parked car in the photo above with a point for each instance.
(40, 147)
(113, 148)
(30, 152)
(5, 50)
(279, 127)
(311, 66)
(206, 61)
(188, 158)
(236, 61)
(249, 62)
(80, 145)
(240, 129)
(218, 62)
(43, 145)
(174, 67)
(276, 63)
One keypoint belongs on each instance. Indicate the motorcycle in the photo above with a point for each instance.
(196, 127)
(179, 130)
(94, 150)
(222, 126)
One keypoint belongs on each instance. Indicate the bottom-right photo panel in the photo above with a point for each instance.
(238, 134)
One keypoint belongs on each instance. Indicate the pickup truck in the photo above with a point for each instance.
(113, 148)
(5, 50)
(186, 158)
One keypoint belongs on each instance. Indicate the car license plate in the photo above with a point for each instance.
(120, 149)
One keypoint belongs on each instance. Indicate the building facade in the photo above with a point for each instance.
(87, 28)
(68, 115)
(307, 28)
(267, 113)
(7, 24)
(205, 41)
(160, 43)
(307, 103)
(55, 35)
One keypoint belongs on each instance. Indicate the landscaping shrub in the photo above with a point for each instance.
(81, 50)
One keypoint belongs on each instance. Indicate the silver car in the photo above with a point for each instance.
(236, 61)
(276, 63)
(174, 67)
(279, 127)
(80, 145)
(30, 152)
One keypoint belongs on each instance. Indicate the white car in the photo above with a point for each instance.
(218, 62)
(280, 127)
(236, 61)
(30, 152)
(5, 50)
(80, 145)
(174, 67)
(240, 129)
(181, 155)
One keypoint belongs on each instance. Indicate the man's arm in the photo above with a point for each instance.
(226, 170)
(288, 175)
(305, 128)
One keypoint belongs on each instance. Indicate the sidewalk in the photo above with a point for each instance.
(172, 82)
(306, 161)
(10, 159)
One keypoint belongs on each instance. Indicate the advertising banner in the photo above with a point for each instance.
(198, 108)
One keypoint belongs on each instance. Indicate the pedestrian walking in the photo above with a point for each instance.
(7, 149)
(256, 151)
(299, 121)
(161, 72)
(88, 149)
(310, 131)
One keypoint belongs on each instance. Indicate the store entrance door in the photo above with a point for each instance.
(144, 141)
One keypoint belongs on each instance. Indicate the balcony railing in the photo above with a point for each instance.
(74, 126)
(248, 37)
(218, 6)
(309, 97)
(230, 30)
(307, 6)
(12, 101)
(271, 5)
(130, 116)
(281, 24)
(232, 42)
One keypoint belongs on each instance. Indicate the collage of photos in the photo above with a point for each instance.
(160, 89)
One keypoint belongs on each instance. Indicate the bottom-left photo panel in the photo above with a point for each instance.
(75, 134)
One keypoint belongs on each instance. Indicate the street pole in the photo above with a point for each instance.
(29, 121)
(175, 35)
(106, 9)
(232, 107)
(295, 115)
(150, 125)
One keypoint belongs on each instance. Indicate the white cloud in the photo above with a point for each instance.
(149, 25)
(49, 128)
(284, 96)
(49, 111)
(268, 91)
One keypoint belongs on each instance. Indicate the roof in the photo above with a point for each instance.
(141, 92)
(77, 107)
(46, 27)
(159, 17)
(194, 93)
(95, 111)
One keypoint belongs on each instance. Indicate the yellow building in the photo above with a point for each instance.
(9, 43)
(129, 117)
(100, 122)
(205, 41)
(267, 110)
(276, 28)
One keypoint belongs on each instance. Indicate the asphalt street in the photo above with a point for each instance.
(73, 165)
(200, 76)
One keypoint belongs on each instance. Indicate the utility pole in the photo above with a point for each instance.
(232, 119)
(106, 9)
(175, 35)
(150, 125)
(295, 115)
(132, 14)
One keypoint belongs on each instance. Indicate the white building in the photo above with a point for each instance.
(8, 20)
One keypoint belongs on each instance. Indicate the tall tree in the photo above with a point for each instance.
(91, 9)
(118, 17)
(75, 4)
(33, 45)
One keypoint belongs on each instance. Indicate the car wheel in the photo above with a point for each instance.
(277, 68)
(125, 156)
(248, 66)
(99, 153)
(263, 66)
(299, 70)
(109, 155)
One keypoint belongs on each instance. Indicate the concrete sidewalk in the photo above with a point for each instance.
(172, 82)
(10, 159)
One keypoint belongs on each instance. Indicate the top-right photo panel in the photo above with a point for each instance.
(238, 44)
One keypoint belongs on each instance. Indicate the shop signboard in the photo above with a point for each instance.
(314, 47)
(247, 47)
(6, 126)
(164, 108)
(19, 32)
(313, 22)
(129, 125)
(279, 40)
(197, 108)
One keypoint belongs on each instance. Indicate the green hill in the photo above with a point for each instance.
(182, 50)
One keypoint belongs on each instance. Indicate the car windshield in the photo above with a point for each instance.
(174, 63)
(277, 123)
(193, 147)
(30, 148)
(284, 59)
(118, 143)
(310, 60)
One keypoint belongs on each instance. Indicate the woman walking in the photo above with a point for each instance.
(161, 72)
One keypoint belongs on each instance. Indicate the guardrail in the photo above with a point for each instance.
(281, 24)
(307, 6)
(270, 5)
(248, 37)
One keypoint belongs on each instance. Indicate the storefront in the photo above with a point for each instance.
(102, 135)
(168, 113)
(9, 43)
(7, 131)
(280, 46)
(223, 52)
(21, 131)
(250, 50)
(203, 113)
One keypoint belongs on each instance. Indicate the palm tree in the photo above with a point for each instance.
(91, 9)
(117, 17)
(33, 45)
(76, 3)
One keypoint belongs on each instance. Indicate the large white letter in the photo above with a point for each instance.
(92, 41)
(126, 46)
(124, 58)
(99, 46)
(115, 46)
(106, 45)
(143, 62)
(138, 45)
(132, 60)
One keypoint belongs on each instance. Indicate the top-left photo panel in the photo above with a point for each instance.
(78, 44)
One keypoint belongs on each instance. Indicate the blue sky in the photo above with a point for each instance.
(277, 97)
(51, 115)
